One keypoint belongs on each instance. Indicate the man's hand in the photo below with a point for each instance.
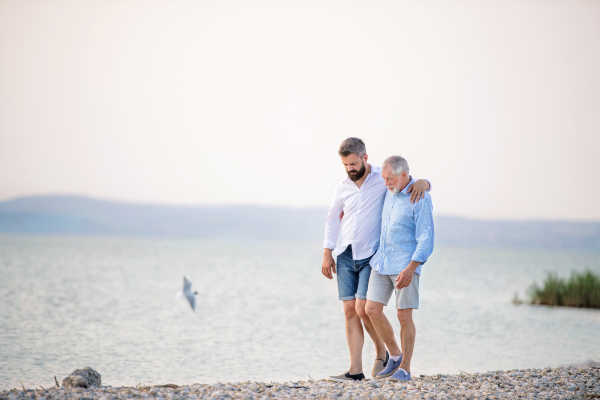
(417, 190)
(405, 277)
(328, 264)
(342, 215)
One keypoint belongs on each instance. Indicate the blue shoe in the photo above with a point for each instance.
(400, 376)
(390, 368)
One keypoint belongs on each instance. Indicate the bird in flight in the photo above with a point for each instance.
(188, 293)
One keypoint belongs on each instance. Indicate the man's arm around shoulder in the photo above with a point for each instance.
(417, 190)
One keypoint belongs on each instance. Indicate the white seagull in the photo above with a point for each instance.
(187, 292)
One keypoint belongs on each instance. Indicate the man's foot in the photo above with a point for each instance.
(380, 364)
(400, 376)
(347, 377)
(390, 368)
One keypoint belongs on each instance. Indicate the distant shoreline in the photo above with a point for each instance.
(79, 215)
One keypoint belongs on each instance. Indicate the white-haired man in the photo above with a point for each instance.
(405, 244)
(360, 198)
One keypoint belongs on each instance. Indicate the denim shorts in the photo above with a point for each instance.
(352, 276)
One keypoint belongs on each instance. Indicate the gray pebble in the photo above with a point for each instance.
(547, 383)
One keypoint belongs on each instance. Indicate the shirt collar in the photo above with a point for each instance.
(409, 185)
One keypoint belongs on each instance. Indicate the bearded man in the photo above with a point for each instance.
(359, 199)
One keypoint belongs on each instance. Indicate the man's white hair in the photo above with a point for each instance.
(397, 163)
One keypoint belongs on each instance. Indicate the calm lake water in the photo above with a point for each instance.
(266, 313)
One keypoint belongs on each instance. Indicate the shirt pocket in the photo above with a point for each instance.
(403, 221)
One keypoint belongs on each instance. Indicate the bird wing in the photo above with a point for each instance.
(187, 284)
(191, 299)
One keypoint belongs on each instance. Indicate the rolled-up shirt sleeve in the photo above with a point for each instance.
(428, 181)
(424, 234)
(333, 223)
(430, 185)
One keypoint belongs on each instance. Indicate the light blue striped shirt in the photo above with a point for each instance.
(406, 233)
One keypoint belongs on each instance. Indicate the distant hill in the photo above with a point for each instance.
(82, 215)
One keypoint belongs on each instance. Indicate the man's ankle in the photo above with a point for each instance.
(395, 351)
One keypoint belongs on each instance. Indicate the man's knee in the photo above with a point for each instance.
(405, 316)
(374, 310)
(350, 310)
(360, 309)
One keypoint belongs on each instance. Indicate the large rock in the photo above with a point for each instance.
(85, 378)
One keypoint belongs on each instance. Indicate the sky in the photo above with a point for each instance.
(496, 102)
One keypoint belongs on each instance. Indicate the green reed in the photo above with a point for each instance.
(582, 289)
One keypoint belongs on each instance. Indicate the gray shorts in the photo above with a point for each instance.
(382, 286)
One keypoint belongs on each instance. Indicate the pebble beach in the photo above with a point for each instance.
(548, 383)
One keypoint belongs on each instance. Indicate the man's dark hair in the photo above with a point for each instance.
(352, 145)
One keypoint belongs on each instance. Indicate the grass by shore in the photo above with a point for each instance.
(582, 289)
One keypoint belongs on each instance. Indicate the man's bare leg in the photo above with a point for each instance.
(384, 329)
(407, 337)
(379, 344)
(355, 336)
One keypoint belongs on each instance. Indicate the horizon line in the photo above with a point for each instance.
(266, 206)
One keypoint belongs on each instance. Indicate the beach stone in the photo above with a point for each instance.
(84, 378)
(561, 383)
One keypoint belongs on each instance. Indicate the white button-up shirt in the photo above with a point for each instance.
(361, 225)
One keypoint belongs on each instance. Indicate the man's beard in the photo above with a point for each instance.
(394, 190)
(356, 175)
